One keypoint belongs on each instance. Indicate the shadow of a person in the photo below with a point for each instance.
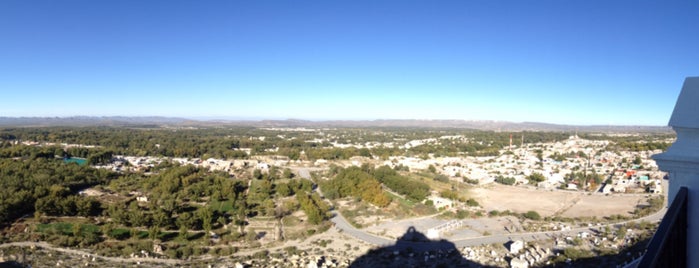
(414, 249)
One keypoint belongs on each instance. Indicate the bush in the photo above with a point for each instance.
(505, 180)
(462, 214)
(260, 254)
(532, 215)
(472, 203)
(185, 251)
(470, 181)
(536, 177)
(441, 178)
(119, 234)
(291, 250)
(574, 253)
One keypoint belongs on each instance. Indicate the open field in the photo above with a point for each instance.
(555, 202)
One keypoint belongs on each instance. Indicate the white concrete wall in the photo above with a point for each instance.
(681, 161)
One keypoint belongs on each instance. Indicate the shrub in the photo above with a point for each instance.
(505, 180)
(260, 254)
(462, 214)
(574, 253)
(532, 215)
(441, 178)
(470, 181)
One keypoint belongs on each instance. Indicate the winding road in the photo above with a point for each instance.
(342, 224)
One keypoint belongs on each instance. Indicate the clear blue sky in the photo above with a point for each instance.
(574, 62)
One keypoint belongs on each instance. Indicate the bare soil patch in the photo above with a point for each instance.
(554, 202)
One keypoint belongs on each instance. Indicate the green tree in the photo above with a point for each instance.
(153, 232)
(637, 160)
(77, 230)
(536, 177)
(284, 190)
(287, 174)
(183, 234)
(206, 216)
(257, 174)
(432, 169)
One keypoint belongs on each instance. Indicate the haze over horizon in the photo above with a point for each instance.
(573, 62)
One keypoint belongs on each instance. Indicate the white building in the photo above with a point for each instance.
(516, 246)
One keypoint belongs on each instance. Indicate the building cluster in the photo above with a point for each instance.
(556, 162)
(145, 163)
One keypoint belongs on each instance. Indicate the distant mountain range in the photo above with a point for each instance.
(155, 121)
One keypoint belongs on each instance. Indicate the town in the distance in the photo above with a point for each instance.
(217, 194)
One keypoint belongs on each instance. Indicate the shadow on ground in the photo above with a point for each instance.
(11, 264)
(414, 249)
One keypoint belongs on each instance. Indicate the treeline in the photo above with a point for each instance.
(484, 143)
(227, 142)
(193, 143)
(642, 146)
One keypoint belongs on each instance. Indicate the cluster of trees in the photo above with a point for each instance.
(584, 179)
(174, 199)
(355, 182)
(33, 179)
(366, 183)
(191, 198)
(38, 180)
(93, 156)
(412, 189)
(334, 153)
(61, 202)
(562, 157)
(316, 210)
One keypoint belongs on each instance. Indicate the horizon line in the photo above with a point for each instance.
(319, 120)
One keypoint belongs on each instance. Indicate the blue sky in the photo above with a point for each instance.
(570, 62)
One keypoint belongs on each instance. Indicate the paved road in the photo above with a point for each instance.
(342, 224)
(346, 227)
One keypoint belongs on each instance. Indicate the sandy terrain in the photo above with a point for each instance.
(554, 202)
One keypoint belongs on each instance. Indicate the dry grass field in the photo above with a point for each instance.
(555, 202)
